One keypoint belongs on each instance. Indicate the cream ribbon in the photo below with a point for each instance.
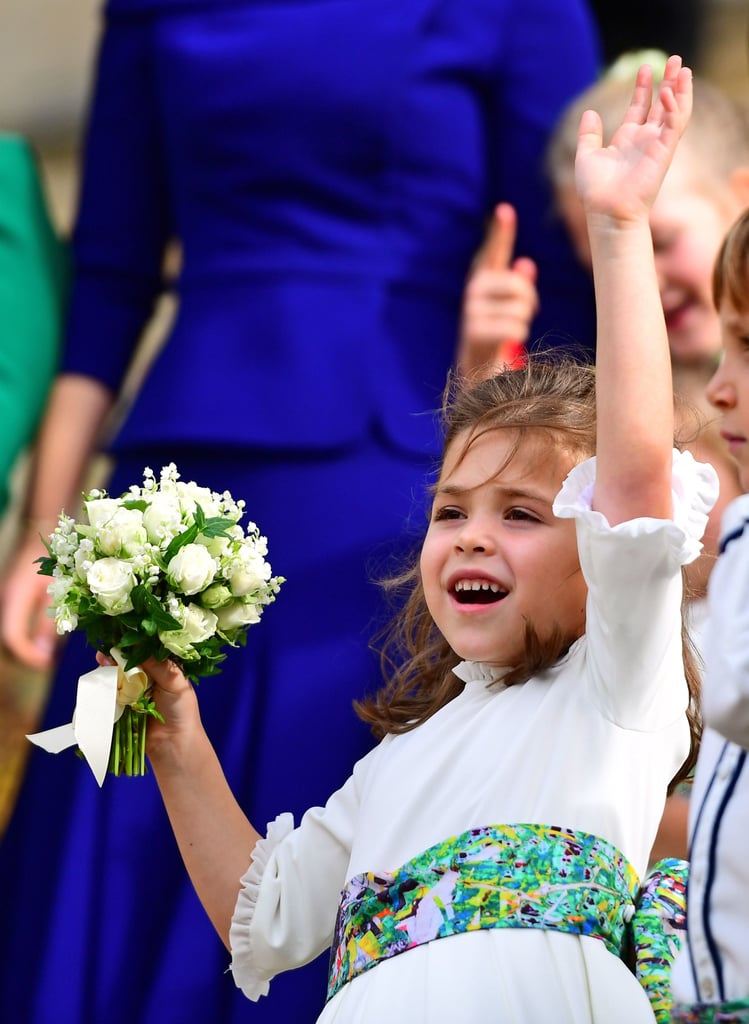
(101, 699)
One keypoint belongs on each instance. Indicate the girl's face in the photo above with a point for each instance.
(728, 390)
(495, 556)
(688, 222)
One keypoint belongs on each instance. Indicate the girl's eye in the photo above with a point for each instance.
(521, 514)
(448, 512)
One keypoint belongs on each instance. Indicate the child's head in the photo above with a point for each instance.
(496, 559)
(704, 190)
(728, 389)
(523, 429)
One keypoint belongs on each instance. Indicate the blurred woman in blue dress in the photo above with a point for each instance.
(327, 168)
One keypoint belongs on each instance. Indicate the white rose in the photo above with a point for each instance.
(219, 547)
(111, 580)
(101, 510)
(198, 624)
(163, 518)
(215, 595)
(123, 535)
(249, 572)
(192, 569)
(237, 614)
(131, 685)
(191, 495)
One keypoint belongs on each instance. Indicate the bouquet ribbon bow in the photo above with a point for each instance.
(101, 699)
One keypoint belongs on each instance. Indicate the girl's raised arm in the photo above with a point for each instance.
(617, 185)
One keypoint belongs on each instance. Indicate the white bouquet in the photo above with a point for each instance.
(165, 570)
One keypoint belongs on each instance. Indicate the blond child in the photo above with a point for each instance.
(526, 753)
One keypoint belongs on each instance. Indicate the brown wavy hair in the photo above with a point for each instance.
(553, 396)
(731, 269)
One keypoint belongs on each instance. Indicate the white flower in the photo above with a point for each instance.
(219, 547)
(248, 573)
(163, 518)
(215, 596)
(191, 495)
(84, 558)
(237, 614)
(198, 624)
(130, 687)
(111, 580)
(192, 569)
(65, 620)
(63, 541)
(59, 587)
(123, 535)
(100, 510)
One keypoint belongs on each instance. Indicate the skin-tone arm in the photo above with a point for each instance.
(618, 185)
(75, 413)
(500, 299)
(214, 837)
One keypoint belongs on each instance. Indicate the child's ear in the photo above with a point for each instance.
(739, 182)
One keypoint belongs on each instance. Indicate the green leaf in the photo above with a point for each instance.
(179, 542)
(138, 654)
(46, 565)
(136, 503)
(217, 527)
(150, 609)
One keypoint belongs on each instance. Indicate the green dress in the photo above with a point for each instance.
(33, 285)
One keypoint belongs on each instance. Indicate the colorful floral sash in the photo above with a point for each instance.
(735, 1012)
(515, 876)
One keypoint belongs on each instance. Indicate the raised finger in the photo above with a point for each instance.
(640, 106)
(500, 240)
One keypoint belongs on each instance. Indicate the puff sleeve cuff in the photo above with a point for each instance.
(694, 488)
(247, 976)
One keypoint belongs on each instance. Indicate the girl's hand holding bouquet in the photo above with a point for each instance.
(165, 570)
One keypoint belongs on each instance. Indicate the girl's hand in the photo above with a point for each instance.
(620, 181)
(177, 703)
(499, 302)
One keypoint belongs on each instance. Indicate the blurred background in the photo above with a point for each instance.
(46, 51)
(46, 58)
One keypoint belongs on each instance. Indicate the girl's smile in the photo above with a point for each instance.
(495, 557)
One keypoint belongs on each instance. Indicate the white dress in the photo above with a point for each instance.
(588, 745)
(714, 966)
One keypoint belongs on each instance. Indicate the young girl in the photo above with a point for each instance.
(711, 976)
(530, 739)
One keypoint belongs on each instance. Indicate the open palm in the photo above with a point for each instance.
(622, 179)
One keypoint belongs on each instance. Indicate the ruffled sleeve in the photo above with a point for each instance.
(247, 976)
(633, 611)
(286, 909)
(694, 488)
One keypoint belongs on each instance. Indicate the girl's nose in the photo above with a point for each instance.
(719, 389)
(476, 536)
